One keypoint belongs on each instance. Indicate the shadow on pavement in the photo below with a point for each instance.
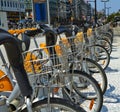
(111, 97)
(104, 109)
(114, 49)
(114, 57)
(109, 69)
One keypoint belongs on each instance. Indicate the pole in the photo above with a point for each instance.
(33, 13)
(48, 12)
(108, 10)
(105, 1)
(105, 9)
(95, 12)
(19, 10)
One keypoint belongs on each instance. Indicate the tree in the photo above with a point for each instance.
(112, 16)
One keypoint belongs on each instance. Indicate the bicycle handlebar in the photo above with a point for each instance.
(15, 59)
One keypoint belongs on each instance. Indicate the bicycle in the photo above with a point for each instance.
(97, 52)
(96, 39)
(105, 33)
(23, 91)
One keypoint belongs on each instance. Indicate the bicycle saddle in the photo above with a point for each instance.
(32, 33)
(51, 37)
(15, 59)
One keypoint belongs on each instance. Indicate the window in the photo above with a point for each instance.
(16, 4)
(13, 4)
(8, 3)
(22, 5)
(1, 3)
(5, 3)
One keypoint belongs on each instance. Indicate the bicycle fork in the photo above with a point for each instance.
(28, 104)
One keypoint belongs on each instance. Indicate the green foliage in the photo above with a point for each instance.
(111, 17)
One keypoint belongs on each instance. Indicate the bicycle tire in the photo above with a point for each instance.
(55, 103)
(100, 55)
(107, 36)
(93, 69)
(97, 72)
(106, 44)
(111, 32)
(85, 96)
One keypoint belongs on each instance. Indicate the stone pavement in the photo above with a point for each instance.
(112, 95)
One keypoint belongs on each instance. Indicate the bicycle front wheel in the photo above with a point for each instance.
(100, 55)
(87, 93)
(55, 105)
(106, 44)
(97, 72)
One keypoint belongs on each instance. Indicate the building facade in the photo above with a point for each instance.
(60, 10)
(14, 9)
(28, 7)
(11, 10)
(54, 10)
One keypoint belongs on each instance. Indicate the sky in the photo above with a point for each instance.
(112, 5)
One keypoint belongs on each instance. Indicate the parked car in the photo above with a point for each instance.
(116, 18)
(116, 21)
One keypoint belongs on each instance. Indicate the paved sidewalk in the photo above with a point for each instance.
(112, 95)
